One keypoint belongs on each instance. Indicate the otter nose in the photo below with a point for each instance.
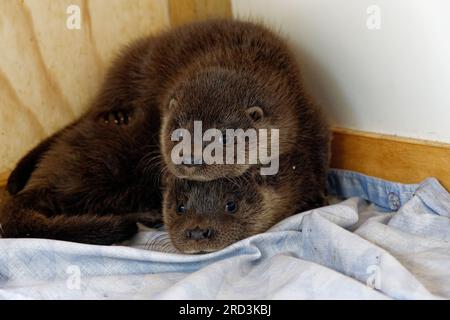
(199, 234)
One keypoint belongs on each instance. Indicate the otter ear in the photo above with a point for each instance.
(173, 104)
(255, 113)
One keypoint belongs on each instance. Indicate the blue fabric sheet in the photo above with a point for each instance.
(377, 240)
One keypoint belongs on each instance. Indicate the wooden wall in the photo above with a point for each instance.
(49, 73)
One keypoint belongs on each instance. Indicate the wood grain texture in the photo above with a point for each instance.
(184, 11)
(49, 73)
(390, 157)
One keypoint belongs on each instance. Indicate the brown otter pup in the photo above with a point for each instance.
(202, 217)
(207, 216)
(84, 183)
(242, 76)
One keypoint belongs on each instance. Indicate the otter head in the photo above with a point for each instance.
(217, 99)
(207, 216)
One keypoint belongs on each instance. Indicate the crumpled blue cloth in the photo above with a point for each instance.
(378, 240)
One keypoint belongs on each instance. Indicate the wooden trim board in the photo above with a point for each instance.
(390, 157)
(184, 11)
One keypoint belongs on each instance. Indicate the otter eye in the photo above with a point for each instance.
(181, 209)
(231, 207)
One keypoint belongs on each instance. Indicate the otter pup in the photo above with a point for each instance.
(202, 217)
(106, 166)
(241, 76)
(207, 216)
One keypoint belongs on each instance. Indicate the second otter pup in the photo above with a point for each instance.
(207, 216)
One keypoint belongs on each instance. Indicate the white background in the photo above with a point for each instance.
(395, 80)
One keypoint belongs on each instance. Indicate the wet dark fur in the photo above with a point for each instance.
(85, 183)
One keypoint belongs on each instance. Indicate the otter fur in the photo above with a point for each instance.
(92, 181)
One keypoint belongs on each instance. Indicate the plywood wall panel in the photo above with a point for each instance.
(49, 73)
(128, 20)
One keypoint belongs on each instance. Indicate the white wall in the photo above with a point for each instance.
(395, 80)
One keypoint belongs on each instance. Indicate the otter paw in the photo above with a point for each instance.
(119, 118)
